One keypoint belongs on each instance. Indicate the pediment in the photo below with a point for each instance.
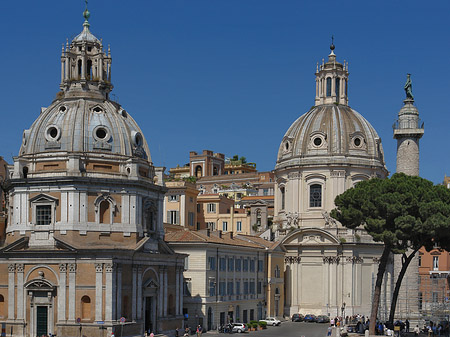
(43, 198)
(310, 237)
(151, 283)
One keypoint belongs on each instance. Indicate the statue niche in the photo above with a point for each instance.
(149, 212)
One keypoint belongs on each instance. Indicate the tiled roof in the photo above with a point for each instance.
(258, 197)
(187, 236)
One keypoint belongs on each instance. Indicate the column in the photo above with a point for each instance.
(20, 299)
(62, 292)
(72, 271)
(11, 288)
(177, 288)
(66, 63)
(63, 61)
(161, 291)
(295, 286)
(110, 300)
(133, 295)
(98, 291)
(183, 212)
(180, 286)
(119, 292)
(165, 291)
(139, 292)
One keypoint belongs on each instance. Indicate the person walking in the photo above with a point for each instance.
(199, 330)
(407, 325)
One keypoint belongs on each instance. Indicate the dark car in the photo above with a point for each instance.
(322, 319)
(310, 318)
(297, 318)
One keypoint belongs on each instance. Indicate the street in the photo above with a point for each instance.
(286, 329)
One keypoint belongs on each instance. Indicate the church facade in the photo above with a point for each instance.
(328, 269)
(84, 252)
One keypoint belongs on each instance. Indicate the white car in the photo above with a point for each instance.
(239, 327)
(271, 321)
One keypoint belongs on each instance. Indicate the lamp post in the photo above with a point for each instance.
(343, 311)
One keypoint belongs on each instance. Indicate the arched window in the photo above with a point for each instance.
(258, 217)
(89, 70)
(329, 87)
(86, 308)
(79, 68)
(315, 195)
(104, 212)
(215, 171)
(2, 306)
(282, 191)
(338, 82)
(198, 171)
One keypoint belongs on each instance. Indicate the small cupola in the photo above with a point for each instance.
(331, 80)
(85, 66)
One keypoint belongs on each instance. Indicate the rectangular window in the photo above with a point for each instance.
(238, 287)
(230, 264)
(198, 208)
(419, 261)
(252, 314)
(211, 208)
(245, 287)
(245, 264)
(223, 264)
(315, 195)
(230, 288)
(266, 191)
(43, 215)
(435, 262)
(222, 288)
(211, 263)
(173, 197)
(252, 287)
(252, 265)
(260, 265)
(435, 297)
(224, 226)
(212, 288)
(420, 300)
(239, 226)
(173, 217)
(259, 287)
(191, 218)
(237, 264)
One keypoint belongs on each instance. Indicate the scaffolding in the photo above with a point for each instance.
(433, 296)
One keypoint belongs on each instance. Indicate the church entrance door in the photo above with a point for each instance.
(41, 320)
(149, 326)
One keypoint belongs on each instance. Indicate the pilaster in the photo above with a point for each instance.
(98, 291)
(20, 294)
(11, 288)
(62, 293)
(72, 280)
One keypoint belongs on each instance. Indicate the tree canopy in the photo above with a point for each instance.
(402, 212)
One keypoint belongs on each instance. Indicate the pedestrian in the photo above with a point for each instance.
(177, 332)
(329, 330)
(416, 331)
(199, 330)
(407, 325)
(152, 334)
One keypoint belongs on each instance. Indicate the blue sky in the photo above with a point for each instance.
(231, 76)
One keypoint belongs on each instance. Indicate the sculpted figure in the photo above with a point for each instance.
(408, 87)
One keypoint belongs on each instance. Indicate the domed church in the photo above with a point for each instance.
(329, 269)
(84, 251)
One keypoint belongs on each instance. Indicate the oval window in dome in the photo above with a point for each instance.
(357, 141)
(62, 108)
(286, 146)
(98, 109)
(101, 133)
(52, 133)
(317, 141)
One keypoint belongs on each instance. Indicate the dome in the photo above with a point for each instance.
(85, 126)
(330, 134)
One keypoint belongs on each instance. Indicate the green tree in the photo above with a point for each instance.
(235, 158)
(402, 212)
(243, 160)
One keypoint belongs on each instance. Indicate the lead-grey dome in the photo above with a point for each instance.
(331, 134)
(84, 126)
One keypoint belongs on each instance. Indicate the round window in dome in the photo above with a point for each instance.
(137, 138)
(357, 141)
(101, 133)
(62, 108)
(317, 141)
(52, 133)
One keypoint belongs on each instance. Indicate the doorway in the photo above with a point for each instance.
(149, 314)
(41, 320)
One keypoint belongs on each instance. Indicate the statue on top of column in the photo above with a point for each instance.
(408, 87)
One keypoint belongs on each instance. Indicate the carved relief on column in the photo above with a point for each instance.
(72, 267)
(292, 259)
(19, 267)
(62, 268)
(11, 268)
(331, 259)
(355, 259)
(99, 267)
(109, 267)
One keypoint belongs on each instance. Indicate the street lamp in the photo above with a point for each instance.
(343, 311)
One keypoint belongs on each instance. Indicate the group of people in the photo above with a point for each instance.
(187, 331)
(437, 329)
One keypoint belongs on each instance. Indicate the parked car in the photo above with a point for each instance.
(310, 318)
(297, 318)
(322, 319)
(271, 321)
(239, 327)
